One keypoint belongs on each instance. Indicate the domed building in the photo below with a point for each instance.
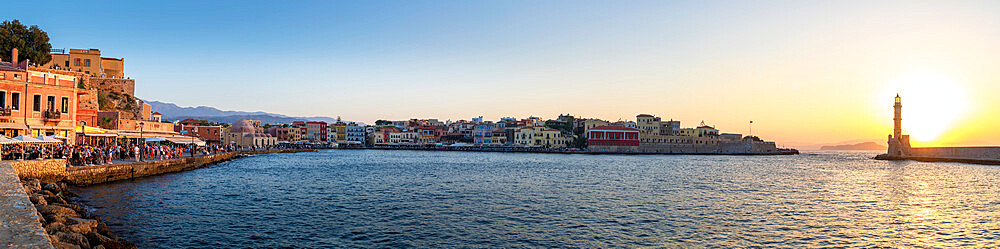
(248, 133)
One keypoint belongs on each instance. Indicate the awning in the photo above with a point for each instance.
(91, 129)
(186, 140)
(50, 127)
(97, 135)
(16, 126)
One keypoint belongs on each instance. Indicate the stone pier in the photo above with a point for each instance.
(19, 221)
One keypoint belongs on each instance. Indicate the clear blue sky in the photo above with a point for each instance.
(725, 62)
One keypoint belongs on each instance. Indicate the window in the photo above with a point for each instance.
(37, 105)
(50, 103)
(86, 63)
(77, 62)
(67, 63)
(65, 105)
(15, 101)
(3, 99)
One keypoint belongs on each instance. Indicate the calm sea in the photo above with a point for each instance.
(379, 199)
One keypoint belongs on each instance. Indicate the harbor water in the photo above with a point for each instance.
(432, 199)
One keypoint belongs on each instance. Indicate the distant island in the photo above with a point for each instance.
(860, 146)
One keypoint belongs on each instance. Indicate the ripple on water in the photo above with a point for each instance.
(378, 199)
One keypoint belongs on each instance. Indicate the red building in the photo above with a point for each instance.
(612, 139)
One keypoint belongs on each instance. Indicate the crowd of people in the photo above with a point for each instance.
(78, 155)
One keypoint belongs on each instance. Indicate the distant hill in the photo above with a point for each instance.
(860, 146)
(173, 112)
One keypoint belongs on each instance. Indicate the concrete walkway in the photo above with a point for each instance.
(19, 226)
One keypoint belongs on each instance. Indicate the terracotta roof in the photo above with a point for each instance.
(613, 127)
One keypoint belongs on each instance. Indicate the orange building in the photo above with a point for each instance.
(36, 101)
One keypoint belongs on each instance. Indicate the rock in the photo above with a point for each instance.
(73, 238)
(75, 208)
(32, 185)
(55, 199)
(97, 239)
(45, 193)
(64, 245)
(78, 225)
(118, 244)
(54, 227)
(57, 209)
(98, 247)
(52, 187)
(103, 229)
(38, 200)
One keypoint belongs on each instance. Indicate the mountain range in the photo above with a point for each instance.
(859, 146)
(172, 112)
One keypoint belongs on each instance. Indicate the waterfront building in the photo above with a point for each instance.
(243, 133)
(706, 131)
(540, 136)
(354, 134)
(590, 123)
(688, 132)
(37, 102)
(649, 125)
(525, 136)
(207, 133)
(87, 61)
(135, 128)
(670, 128)
(613, 139)
(483, 132)
(316, 131)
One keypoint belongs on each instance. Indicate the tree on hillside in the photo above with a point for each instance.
(382, 122)
(31, 42)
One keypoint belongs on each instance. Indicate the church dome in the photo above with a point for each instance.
(242, 126)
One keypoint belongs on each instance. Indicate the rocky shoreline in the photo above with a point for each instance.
(69, 225)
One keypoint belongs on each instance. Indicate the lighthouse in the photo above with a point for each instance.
(899, 144)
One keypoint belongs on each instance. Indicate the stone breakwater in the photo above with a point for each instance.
(68, 225)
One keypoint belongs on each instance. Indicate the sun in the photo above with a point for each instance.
(931, 104)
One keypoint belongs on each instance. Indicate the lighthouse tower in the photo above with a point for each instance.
(899, 144)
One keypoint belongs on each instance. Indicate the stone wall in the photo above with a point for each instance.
(978, 153)
(721, 148)
(111, 85)
(52, 170)
(55, 170)
(108, 173)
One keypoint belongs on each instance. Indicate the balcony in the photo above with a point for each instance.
(51, 115)
(5, 112)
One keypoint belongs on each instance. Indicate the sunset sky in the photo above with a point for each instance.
(806, 72)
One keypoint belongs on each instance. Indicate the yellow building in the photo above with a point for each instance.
(541, 137)
(87, 61)
(689, 132)
(591, 123)
(340, 132)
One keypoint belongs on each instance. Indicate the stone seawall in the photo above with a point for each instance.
(55, 170)
(977, 155)
(86, 175)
